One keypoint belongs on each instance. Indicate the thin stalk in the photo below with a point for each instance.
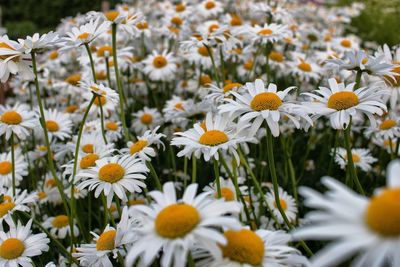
(13, 162)
(216, 76)
(194, 169)
(154, 175)
(217, 181)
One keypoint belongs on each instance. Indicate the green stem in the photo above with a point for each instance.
(216, 76)
(91, 61)
(217, 181)
(154, 175)
(13, 163)
(194, 169)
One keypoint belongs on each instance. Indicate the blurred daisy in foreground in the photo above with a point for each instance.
(357, 225)
(17, 119)
(361, 157)
(21, 168)
(339, 103)
(174, 226)
(288, 205)
(245, 248)
(59, 226)
(19, 245)
(116, 174)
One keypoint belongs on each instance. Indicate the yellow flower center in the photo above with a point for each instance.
(383, 213)
(106, 240)
(180, 7)
(142, 25)
(71, 108)
(209, 5)
(138, 146)
(73, 79)
(133, 202)
(283, 204)
(11, 117)
(265, 32)
(387, 124)
(4, 45)
(51, 183)
(111, 15)
(266, 101)
(179, 106)
(342, 100)
(396, 81)
(111, 173)
(230, 86)
(356, 158)
(203, 51)
(159, 62)
(100, 100)
(226, 193)
(146, 119)
(176, 220)
(345, 43)
(88, 161)
(244, 246)
(236, 20)
(102, 50)
(60, 221)
(5, 167)
(112, 126)
(213, 27)
(276, 56)
(101, 75)
(53, 55)
(176, 20)
(248, 65)
(83, 36)
(88, 148)
(213, 138)
(52, 126)
(11, 248)
(304, 67)
(5, 207)
(41, 195)
(205, 80)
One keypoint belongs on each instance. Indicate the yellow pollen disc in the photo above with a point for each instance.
(209, 5)
(146, 119)
(88, 161)
(345, 43)
(5, 167)
(283, 204)
(342, 100)
(112, 126)
(248, 65)
(159, 62)
(179, 106)
(83, 36)
(102, 50)
(11, 248)
(113, 207)
(304, 67)
(71, 108)
(53, 55)
(111, 15)
(88, 148)
(42, 148)
(387, 124)
(142, 25)
(101, 75)
(111, 173)
(383, 213)
(230, 86)
(236, 20)
(5, 207)
(244, 246)
(41, 195)
(265, 32)
(176, 220)
(137, 146)
(205, 80)
(203, 51)
(51, 183)
(7, 198)
(266, 101)
(52, 126)
(4, 45)
(180, 7)
(213, 138)
(356, 158)
(100, 100)
(73, 79)
(106, 240)
(396, 81)
(276, 56)
(226, 193)
(176, 20)
(11, 118)
(364, 60)
(212, 28)
(60, 221)
(133, 202)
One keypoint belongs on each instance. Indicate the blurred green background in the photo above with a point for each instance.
(380, 21)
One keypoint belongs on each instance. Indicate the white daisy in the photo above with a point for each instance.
(10, 203)
(269, 33)
(288, 205)
(146, 119)
(160, 66)
(228, 191)
(18, 120)
(361, 157)
(37, 42)
(21, 168)
(100, 90)
(59, 226)
(58, 124)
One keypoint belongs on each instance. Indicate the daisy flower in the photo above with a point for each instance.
(19, 202)
(366, 228)
(160, 67)
(214, 135)
(340, 103)
(58, 124)
(247, 248)
(146, 119)
(288, 205)
(228, 191)
(116, 174)
(37, 41)
(209, 8)
(113, 130)
(100, 90)
(173, 226)
(269, 33)
(19, 245)
(304, 68)
(110, 241)
(387, 128)
(21, 168)
(59, 226)
(18, 120)
(84, 34)
(258, 103)
(218, 94)
(361, 157)
(142, 147)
